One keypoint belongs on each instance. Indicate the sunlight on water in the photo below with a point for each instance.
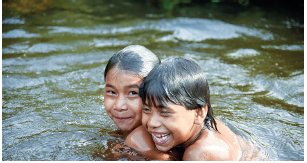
(201, 29)
(54, 55)
(18, 33)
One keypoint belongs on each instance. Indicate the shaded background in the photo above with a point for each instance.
(54, 54)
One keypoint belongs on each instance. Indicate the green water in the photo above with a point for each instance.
(54, 54)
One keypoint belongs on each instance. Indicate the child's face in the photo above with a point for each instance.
(122, 101)
(170, 126)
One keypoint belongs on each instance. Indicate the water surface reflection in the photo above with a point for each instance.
(53, 62)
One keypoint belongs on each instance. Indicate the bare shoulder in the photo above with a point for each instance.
(230, 137)
(224, 130)
(210, 146)
(195, 154)
(200, 152)
(140, 139)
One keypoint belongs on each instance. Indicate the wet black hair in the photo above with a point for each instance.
(135, 59)
(181, 82)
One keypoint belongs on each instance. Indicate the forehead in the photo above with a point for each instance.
(116, 75)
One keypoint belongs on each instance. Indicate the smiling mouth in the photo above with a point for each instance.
(122, 119)
(160, 138)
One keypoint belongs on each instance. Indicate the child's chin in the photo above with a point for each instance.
(124, 128)
(163, 149)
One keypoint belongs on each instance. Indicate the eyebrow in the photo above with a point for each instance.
(133, 86)
(109, 85)
(129, 86)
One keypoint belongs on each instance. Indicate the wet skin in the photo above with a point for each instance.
(213, 146)
(124, 106)
(141, 140)
(175, 125)
(121, 98)
(230, 137)
(169, 126)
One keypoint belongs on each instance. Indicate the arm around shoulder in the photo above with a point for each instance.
(140, 139)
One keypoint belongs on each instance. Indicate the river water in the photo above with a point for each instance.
(54, 54)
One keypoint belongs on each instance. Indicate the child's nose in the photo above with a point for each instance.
(121, 104)
(154, 121)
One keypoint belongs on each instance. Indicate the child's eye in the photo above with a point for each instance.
(133, 93)
(164, 112)
(111, 92)
(146, 110)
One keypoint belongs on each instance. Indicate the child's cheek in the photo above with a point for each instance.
(136, 103)
(180, 116)
(108, 103)
(145, 119)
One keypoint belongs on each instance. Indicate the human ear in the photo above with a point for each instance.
(205, 110)
(200, 115)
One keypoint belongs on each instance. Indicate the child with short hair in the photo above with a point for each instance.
(177, 112)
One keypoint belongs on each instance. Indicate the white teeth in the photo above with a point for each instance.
(161, 137)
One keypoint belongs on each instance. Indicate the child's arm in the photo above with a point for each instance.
(140, 139)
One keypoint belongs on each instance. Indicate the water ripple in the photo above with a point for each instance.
(13, 20)
(19, 33)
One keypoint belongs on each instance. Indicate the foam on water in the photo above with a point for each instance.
(243, 53)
